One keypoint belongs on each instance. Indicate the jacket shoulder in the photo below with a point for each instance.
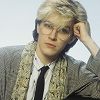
(73, 62)
(9, 64)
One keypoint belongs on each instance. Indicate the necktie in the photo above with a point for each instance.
(40, 84)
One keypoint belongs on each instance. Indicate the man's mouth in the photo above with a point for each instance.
(50, 45)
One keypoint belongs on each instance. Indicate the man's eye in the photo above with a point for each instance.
(48, 25)
(66, 30)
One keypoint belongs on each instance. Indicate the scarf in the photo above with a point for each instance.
(58, 83)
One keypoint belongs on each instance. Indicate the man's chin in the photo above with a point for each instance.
(51, 55)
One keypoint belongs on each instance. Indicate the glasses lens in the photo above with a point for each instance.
(46, 27)
(64, 33)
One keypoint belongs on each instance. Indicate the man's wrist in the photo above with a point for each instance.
(91, 46)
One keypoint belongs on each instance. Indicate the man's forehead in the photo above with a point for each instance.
(60, 25)
(59, 20)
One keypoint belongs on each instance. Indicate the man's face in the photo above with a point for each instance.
(53, 36)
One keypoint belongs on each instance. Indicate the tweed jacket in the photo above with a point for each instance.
(83, 79)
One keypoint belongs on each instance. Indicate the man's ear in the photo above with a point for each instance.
(38, 28)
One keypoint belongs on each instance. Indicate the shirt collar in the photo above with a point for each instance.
(38, 64)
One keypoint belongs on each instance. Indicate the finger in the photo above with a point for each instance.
(76, 30)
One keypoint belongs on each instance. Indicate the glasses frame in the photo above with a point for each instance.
(59, 31)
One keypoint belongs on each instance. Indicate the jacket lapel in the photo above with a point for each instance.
(58, 83)
(24, 72)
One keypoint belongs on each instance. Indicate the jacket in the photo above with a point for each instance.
(83, 79)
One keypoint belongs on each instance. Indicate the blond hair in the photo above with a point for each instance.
(67, 8)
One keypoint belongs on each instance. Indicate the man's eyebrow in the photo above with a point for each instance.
(65, 27)
(60, 27)
(48, 21)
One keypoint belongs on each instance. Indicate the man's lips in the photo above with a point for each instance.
(50, 45)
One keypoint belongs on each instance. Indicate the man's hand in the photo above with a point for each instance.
(81, 32)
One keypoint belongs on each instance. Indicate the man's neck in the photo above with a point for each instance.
(45, 59)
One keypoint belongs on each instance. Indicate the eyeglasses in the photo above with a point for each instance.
(47, 28)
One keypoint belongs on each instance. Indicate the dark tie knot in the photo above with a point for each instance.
(44, 69)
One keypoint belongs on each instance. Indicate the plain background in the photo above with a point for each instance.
(17, 23)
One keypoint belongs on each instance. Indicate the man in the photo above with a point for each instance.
(59, 24)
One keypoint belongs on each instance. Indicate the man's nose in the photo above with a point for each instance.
(53, 34)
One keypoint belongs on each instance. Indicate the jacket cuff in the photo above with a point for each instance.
(93, 64)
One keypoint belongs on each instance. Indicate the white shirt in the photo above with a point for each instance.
(34, 76)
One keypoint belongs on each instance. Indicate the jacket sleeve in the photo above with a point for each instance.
(9, 63)
(89, 77)
(94, 64)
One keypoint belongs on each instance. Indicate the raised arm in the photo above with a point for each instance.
(81, 32)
